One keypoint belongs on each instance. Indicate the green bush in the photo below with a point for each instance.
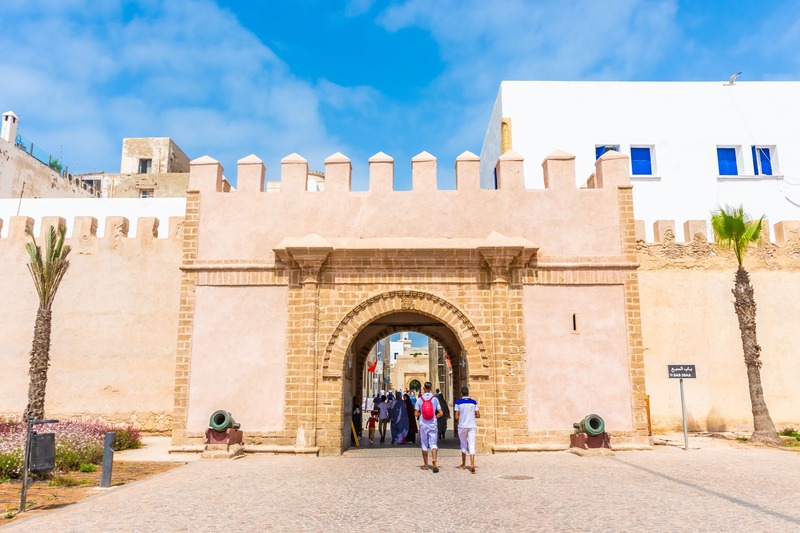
(128, 438)
(790, 432)
(88, 467)
(70, 456)
(11, 464)
(77, 443)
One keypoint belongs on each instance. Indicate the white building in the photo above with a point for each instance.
(693, 145)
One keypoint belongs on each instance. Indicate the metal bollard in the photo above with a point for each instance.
(108, 459)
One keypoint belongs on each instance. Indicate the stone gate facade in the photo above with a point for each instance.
(534, 293)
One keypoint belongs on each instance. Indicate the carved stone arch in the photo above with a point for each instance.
(405, 301)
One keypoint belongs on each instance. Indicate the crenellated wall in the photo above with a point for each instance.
(265, 304)
(114, 322)
(561, 219)
(341, 260)
(688, 317)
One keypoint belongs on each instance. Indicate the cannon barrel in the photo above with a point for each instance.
(592, 425)
(222, 420)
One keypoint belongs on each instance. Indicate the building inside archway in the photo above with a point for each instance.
(404, 361)
(399, 352)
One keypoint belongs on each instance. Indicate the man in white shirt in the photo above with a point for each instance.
(466, 410)
(428, 410)
(383, 416)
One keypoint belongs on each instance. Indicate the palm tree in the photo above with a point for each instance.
(47, 271)
(733, 228)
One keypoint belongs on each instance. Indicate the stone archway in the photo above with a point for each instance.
(408, 301)
(396, 311)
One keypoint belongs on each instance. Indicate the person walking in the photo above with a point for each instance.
(357, 419)
(373, 420)
(383, 417)
(466, 411)
(428, 410)
(399, 416)
(412, 420)
(442, 422)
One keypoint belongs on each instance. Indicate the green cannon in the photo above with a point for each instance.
(592, 425)
(222, 420)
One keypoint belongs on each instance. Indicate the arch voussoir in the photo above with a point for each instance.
(388, 302)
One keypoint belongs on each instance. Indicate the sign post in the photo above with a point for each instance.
(680, 372)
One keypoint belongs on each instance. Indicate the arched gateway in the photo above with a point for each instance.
(284, 294)
(408, 310)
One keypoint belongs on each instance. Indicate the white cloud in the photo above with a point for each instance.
(184, 69)
(484, 43)
(84, 74)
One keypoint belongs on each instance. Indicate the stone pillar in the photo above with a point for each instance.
(506, 339)
(315, 409)
(633, 314)
(183, 360)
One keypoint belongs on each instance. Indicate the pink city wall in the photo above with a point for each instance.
(114, 323)
(116, 317)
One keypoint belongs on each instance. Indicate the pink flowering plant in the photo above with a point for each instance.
(77, 443)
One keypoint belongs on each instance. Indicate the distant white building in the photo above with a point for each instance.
(693, 145)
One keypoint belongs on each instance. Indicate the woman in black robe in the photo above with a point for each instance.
(412, 421)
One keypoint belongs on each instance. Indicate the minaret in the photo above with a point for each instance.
(9, 130)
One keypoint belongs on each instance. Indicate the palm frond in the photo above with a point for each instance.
(48, 267)
(733, 228)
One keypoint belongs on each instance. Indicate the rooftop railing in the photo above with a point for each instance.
(53, 162)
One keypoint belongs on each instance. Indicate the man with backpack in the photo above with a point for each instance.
(428, 410)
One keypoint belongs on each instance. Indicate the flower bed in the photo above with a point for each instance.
(77, 443)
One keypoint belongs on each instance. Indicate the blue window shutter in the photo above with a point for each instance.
(755, 160)
(726, 159)
(641, 165)
(598, 151)
(766, 161)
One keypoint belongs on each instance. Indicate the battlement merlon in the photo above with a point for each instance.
(206, 174)
(694, 230)
(84, 229)
(564, 220)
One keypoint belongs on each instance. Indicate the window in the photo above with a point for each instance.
(641, 161)
(146, 193)
(145, 165)
(762, 159)
(600, 149)
(727, 161)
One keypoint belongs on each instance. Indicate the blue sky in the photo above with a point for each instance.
(230, 78)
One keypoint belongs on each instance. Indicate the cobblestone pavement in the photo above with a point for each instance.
(668, 489)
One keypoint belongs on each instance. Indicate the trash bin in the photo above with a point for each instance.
(43, 453)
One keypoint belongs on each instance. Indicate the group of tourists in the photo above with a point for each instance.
(392, 413)
(425, 414)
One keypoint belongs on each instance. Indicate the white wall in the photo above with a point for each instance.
(395, 347)
(492, 143)
(100, 208)
(683, 121)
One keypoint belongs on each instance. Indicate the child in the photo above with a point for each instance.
(373, 419)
